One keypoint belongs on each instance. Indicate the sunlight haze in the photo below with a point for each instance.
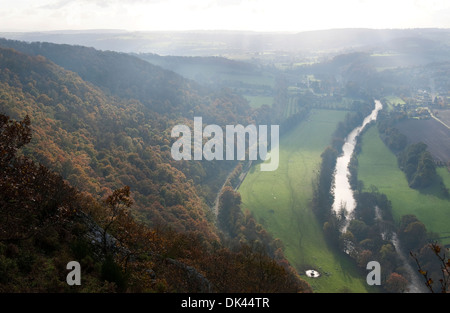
(253, 15)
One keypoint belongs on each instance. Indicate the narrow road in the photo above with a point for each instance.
(433, 116)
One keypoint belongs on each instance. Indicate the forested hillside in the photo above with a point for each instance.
(98, 139)
(102, 121)
(45, 224)
(99, 143)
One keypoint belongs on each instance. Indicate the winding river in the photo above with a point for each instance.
(343, 193)
(344, 198)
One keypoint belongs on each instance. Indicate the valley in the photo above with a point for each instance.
(102, 119)
(281, 200)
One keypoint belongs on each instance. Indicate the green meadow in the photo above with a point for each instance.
(445, 174)
(281, 201)
(378, 167)
(393, 101)
(259, 101)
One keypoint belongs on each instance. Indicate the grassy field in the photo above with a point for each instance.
(281, 201)
(378, 167)
(445, 174)
(259, 101)
(393, 101)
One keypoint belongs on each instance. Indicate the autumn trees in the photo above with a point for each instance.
(100, 143)
(101, 140)
(37, 208)
(31, 197)
(45, 223)
(241, 227)
(229, 211)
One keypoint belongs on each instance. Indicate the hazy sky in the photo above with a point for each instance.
(258, 15)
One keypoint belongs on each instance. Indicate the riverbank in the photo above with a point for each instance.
(281, 201)
(377, 166)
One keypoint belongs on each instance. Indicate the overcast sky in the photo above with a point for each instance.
(257, 15)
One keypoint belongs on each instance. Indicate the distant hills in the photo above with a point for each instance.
(101, 117)
(203, 43)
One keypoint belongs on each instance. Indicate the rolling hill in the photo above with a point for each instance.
(100, 140)
(103, 124)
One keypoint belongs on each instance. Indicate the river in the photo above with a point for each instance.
(343, 193)
(344, 198)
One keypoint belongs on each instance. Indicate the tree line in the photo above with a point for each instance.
(413, 159)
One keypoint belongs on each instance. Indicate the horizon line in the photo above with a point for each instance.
(113, 30)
